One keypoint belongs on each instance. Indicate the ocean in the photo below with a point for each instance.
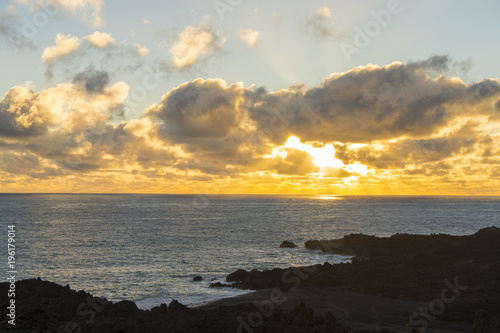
(148, 248)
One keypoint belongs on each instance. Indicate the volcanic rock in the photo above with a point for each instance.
(287, 245)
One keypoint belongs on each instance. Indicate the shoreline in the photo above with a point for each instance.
(321, 309)
(400, 283)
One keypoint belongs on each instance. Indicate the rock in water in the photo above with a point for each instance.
(288, 245)
(198, 278)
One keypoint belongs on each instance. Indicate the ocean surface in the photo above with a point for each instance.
(148, 248)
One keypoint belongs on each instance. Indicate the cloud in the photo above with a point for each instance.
(20, 116)
(249, 37)
(413, 152)
(204, 116)
(277, 17)
(441, 64)
(194, 43)
(11, 31)
(295, 162)
(85, 103)
(321, 25)
(368, 129)
(15, 33)
(64, 46)
(370, 103)
(89, 10)
(94, 81)
(73, 51)
(27, 164)
(99, 39)
(67, 128)
(324, 12)
(239, 126)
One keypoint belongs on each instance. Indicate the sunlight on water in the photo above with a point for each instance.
(329, 197)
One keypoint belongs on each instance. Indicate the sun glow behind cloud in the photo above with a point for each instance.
(323, 157)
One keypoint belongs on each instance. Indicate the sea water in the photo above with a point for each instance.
(148, 248)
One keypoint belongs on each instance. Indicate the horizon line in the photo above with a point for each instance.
(255, 194)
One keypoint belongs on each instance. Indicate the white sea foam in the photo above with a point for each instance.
(191, 301)
(198, 293)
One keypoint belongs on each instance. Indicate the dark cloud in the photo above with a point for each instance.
(364, 104)
(92, 80)
(71, 54)
(439, 63)
(96, 82)
(483, 90)
(11, 34)
(442, 64)
(203, 116)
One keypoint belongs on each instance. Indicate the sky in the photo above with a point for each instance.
(390, 97)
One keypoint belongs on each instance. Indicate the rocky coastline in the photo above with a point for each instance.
(457, 276)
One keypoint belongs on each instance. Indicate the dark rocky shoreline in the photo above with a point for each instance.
(416, 267)
(44, 306)
(461, 272)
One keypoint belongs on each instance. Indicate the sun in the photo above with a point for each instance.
(323, 157)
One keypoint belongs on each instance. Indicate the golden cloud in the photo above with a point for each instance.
(194, 43)
(371, 130)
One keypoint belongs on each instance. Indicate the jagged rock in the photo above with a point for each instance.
(175, 306)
